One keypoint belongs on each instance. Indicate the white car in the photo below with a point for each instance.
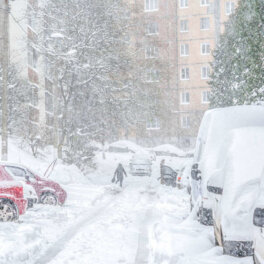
(215, 125)
(140, 165)
(258, 220)
(234, 188)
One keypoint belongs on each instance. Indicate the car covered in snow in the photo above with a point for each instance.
(258, 220)
(214, 127)
(48, 192)
(12, 201)
(168, 150)
(233, 188)
(140, 165)
(124, 146)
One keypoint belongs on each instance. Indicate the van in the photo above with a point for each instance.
(258, 221)
(215, 125)
(233, 187)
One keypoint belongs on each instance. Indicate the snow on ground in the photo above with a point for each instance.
(102, 224)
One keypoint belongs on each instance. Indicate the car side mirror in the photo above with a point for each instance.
(258, 218)
(27, 178)
(195, 173)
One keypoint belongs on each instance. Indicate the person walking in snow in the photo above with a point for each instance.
(119, 175)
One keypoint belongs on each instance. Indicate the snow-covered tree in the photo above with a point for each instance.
(238, 67)
(84, 42)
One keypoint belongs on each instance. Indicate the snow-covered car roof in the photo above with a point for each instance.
(170, 149)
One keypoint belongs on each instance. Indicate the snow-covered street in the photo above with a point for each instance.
(101, 223)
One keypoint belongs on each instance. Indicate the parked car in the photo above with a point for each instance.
(258, 220)
(29, 192)
(168, 176)
(48, 192)
(12, 201)
(140, 165)
(234, 187)
(215, 125)
(172, 175)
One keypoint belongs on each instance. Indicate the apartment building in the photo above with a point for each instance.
(200, 23)
(155, 41)
(180, 36)
(25, 53)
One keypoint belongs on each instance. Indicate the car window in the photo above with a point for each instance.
(167, 170)
(15, 171)
(30, 174)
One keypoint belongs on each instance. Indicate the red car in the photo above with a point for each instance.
(49, 192)
(12, 202)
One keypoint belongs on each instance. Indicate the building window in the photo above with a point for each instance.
(32, 57)
(204, 2)
(185, 74)
(152, 28)
(152, 75)
(183, 3)
(205, 48)
(48, 102)
(205, 72)
(151, 5)
(32, 19)
(153, 124)
(151, 52)
(34, 95)
(205, 97)
(185, 98)
(204, 23)
(185, 121)
(184, 50)
(184, 25)
(230, 7)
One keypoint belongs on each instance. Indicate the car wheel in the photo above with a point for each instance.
(8, 211)
(49, 198)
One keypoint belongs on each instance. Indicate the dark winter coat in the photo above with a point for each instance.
(119, 173)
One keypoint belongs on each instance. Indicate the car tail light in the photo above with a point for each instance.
(179, 179)
(19, 192)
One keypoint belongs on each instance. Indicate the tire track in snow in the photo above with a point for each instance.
(58, 246)
(143, 238)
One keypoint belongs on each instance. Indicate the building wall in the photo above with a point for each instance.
(196, 85)
(24, 52)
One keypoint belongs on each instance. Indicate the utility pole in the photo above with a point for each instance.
(4, 28)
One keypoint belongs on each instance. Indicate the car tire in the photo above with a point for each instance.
(8, 211)
(49, 199)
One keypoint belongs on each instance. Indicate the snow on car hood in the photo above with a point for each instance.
(242, 170)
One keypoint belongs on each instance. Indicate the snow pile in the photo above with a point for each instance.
(169, 150)
(63, 173)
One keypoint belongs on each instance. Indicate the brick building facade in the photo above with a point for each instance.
(186, 32)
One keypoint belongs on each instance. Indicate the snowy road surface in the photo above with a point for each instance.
(102, 224)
